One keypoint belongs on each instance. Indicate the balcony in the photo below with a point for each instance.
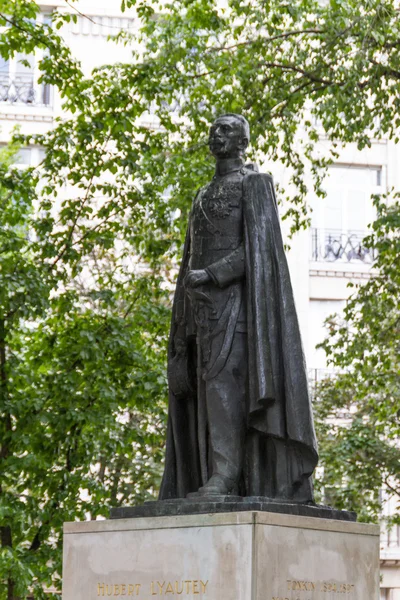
(390, 541)
(330, 245)
(22, 89)
(315, 376)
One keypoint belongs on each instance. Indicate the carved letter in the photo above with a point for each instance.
(203, 586)
(177, 586)
(100, 589)
(137, 588)
(302, 586)
(161, 585)
(196, 587)
(188, 582)
(169, 589)
(131, 589)
(116, 589)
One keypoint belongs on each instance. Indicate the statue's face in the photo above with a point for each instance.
(226, 139)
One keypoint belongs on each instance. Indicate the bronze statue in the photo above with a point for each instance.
(240, 419)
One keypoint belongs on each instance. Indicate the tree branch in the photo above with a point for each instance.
(266, 40)
(68, 244)
(309, 74)
(391, 488)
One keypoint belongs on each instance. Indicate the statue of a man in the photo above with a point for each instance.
(240, 419)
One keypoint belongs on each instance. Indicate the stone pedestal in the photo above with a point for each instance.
(228, 556)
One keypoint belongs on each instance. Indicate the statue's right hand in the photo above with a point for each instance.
(196, 277)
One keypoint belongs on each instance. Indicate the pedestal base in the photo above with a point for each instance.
(222, 504)
(228, 556)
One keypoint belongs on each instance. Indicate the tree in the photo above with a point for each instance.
(82, 388)
(82, 344)
(83, 323)
(361, 454)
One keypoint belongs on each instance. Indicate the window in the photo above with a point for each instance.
(18, 78)
(340, 221)
(319, 311)
(98, 25)
(30, 156)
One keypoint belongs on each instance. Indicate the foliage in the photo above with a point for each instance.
(294, 69)
(83, 323)
(82, 339)
(82, 390)
(360, 454)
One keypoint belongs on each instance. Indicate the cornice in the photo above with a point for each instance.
(339, 274)
(25, 117)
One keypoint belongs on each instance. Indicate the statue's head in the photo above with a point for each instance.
(229, 136)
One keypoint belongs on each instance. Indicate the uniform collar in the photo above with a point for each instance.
(228, 165)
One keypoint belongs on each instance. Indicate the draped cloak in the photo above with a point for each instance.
(280, 430)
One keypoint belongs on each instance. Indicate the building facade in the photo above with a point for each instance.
(330, 254)
(325, 259)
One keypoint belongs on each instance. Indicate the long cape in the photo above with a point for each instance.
(279, 407)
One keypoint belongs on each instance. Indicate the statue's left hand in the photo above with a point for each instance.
(196, 277)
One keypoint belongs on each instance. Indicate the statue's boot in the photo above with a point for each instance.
(217, 485)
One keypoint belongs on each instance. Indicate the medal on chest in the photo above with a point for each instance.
(222, 197)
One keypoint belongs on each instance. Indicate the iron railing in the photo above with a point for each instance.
(390, 537)
(315, 376)
(22, 89)
(330, 245)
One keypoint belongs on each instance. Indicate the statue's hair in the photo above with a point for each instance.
(243, 121)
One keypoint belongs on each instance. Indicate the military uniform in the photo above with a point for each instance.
(248, 418)
(216, 316)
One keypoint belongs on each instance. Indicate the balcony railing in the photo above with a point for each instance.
(390, 538)
(315, 376)
(330, 245)
(22, 89)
